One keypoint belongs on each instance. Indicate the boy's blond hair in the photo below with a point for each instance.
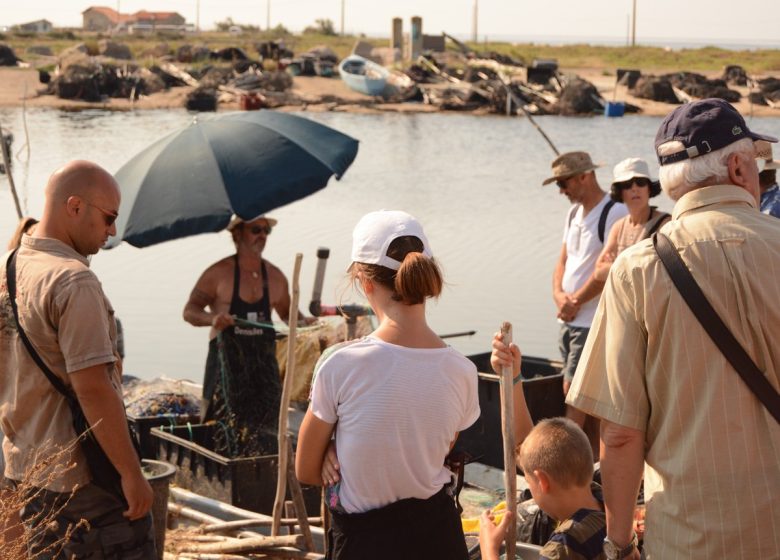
(559, 447)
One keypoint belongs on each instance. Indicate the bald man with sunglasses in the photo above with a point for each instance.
(71, 341)
(242, 286)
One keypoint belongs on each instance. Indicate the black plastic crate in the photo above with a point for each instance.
(245, 482)
(144, 424)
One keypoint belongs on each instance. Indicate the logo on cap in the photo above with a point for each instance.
(736, 131)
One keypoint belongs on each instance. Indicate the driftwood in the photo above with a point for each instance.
(242, 523)
(177, 72)
(245, 545)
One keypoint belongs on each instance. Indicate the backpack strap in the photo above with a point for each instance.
(603, 219)
(717, 330)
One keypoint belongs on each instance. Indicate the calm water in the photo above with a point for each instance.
(474, 182)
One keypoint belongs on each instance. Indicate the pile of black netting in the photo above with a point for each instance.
(245, 404)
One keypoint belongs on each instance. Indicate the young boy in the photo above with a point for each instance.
(557, 460)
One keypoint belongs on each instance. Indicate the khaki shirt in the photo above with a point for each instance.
(71, 325)
(712, 476)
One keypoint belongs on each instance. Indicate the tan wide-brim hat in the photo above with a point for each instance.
(235, 220)
(764, 152)
(571, 164)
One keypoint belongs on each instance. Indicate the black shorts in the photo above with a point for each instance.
(410, 529)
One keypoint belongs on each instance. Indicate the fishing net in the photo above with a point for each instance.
(246, 396)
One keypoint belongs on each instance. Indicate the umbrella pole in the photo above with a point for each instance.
(284, 458)
(507, 429)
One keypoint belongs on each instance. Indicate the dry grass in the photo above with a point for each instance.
(15, 536)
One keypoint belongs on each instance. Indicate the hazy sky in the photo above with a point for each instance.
(745, 21)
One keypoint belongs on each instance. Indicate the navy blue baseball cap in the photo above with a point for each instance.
(702, 127)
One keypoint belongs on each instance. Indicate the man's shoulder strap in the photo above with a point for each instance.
(714, 326)
(10, 273)
(603, 219)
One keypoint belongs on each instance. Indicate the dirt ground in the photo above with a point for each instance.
(19, 86)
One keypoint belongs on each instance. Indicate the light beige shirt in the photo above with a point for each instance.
(71, 324)
(712, 476)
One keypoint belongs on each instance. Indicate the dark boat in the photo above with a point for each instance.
(542, 386)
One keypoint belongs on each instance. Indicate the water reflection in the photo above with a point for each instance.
(474, 182)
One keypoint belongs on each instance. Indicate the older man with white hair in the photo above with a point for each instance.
(667, 396)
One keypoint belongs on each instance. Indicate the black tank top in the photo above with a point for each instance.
(258, 311)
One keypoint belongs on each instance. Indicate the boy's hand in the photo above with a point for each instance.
(504, 355)
(490, 535)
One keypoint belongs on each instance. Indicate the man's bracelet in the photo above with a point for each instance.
(517, 379)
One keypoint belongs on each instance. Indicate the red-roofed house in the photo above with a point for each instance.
(101, 18)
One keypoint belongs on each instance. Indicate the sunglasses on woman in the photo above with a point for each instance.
(639, 181)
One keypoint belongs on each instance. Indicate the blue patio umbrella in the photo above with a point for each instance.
(192, 180)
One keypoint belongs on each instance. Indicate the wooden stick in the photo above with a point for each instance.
(507, 429)
(246, 545)
(300, 505)
(281, 479)
(7, 163)
(242, 523)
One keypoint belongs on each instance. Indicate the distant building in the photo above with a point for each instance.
(101, 18)
(39, 26)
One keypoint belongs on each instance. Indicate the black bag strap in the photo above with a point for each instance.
(657, 225)
(10, 273)
(603, 219)
(715, 327)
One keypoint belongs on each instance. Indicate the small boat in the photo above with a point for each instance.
(543, 388)
(363, 75)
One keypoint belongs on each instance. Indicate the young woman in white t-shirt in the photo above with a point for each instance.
(395, 400)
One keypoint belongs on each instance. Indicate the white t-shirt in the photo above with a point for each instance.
(583, 247)
(396, 411)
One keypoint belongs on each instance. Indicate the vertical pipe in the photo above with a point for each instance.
(197, 15)
(417, 36)
(474, 26)
(342, 18)
(397, 39)
(268, 15)
(633, 25)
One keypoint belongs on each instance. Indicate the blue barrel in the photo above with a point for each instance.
(614, 109)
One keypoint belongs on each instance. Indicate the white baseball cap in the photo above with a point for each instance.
(630, 168)
(375, 231)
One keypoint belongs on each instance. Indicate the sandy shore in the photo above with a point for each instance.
(19, 86)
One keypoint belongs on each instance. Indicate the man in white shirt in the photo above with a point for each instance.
(575, 291)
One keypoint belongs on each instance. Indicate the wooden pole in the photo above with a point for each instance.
(300, 506)
(7, 163)
(281, 479)
(507, 429)
(246, 545)
(521, 105)
(226, 526)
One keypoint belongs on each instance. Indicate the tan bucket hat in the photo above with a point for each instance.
(570, 164)
(235, 220)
